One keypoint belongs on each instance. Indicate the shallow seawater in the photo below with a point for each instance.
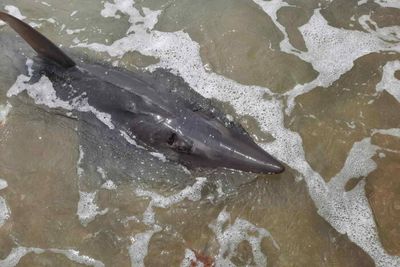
(315, 82)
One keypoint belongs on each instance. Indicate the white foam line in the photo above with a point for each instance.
(74, 256)
(45, 3)
(18, 253)
(102, 172)
(3, 184)
(343, 211)
(4, 110)
(349, 212)
(79, 169)
(229, 236)
(271, 8)
(176, 51)
(359, 163)
(130, 138)
(109, 185)
(140, 242)
(192, 193)
(159, 156)
(330, 50)
(388, 3)
(4, 212)
(388, 34)
(361, 2)
(50, 20)
(392, 132)
(4, 209)
(139, 247)
(70, 31)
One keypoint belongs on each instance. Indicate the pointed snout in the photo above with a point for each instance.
(241, 153)
(252, 158)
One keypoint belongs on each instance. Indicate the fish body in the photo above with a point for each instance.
(146, 108)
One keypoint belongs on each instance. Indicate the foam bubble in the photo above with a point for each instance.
(389, 82)
(392, 131)
(14, 11)
(160, 156)
(189, 258)
(87, 208)
(130, 138)
(4, 210)
(79, 169)
(3, 184)
(388, 3)
(109, 185)
(102, 172)
(4, 110)
(29, 64)
(50, 20)
(69, 31)
(138, 22)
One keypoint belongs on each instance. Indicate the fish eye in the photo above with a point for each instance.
(171, 139)
(178, 144)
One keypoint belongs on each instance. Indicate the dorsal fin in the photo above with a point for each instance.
(43, 46)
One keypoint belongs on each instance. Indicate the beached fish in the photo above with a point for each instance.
(148, 111)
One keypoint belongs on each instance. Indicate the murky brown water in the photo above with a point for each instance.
(321, 68)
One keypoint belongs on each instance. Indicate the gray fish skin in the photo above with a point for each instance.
(153, 115)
